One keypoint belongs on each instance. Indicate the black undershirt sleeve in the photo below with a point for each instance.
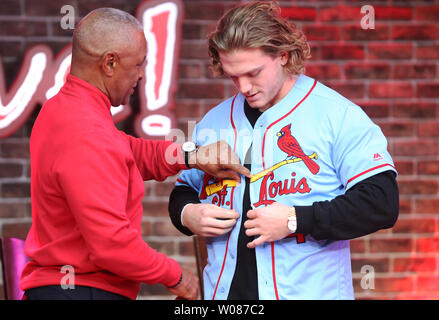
(181, 196)
(368, 206)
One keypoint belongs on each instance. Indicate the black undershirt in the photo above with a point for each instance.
(368, 206)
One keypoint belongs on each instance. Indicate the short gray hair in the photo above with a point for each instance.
(104, 23)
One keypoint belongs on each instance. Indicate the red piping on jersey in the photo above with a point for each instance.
(263, 164)
(364, 172)
(274, 270)
(181, 181)
(233, 123)
(231, 201)
(222, 268)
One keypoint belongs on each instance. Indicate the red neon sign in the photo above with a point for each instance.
(42, 75)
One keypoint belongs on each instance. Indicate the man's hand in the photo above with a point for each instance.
(269, 223)
(218, 160)
(208, 220)
(188, 288)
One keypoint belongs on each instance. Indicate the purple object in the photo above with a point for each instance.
(13, 262)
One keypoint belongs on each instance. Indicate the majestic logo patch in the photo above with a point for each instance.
(377, 157)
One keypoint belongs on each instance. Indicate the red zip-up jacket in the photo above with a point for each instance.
(87, 186)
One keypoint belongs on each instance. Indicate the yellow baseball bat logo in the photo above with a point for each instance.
(218, 186)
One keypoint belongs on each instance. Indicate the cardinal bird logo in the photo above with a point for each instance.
(288, 144)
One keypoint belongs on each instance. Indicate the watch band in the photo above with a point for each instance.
(186, 159)
(187, 148)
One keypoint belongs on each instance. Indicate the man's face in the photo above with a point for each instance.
(130, 70)
(258, 76)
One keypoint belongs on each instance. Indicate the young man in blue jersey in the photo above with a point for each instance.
(321, 170)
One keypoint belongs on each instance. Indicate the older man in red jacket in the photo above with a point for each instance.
(87, 176)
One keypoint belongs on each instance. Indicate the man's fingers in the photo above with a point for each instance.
(222, 223)
(251, 214)
(214, 232)
(252, 232)
(249, 224)
(223, 213)
(228, 174)
(235, 165)
(256, 242)
(219, 221)
(241, 170)
(219, 160)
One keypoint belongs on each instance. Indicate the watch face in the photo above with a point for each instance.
(292, 225)
(188, 146)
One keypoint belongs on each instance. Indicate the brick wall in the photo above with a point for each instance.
(391, 71)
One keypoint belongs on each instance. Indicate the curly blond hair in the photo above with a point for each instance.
(259, 24)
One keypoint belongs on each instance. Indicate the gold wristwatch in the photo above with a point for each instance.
(292, 221)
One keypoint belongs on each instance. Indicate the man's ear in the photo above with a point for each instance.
(109, 61)
(284, 57)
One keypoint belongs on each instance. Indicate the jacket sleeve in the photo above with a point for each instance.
(94, 177)
(156, 159)
(368, 206)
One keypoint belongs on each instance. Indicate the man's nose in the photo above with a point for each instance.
(244, 85)
(141, 73)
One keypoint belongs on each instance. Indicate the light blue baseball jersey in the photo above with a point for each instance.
(340, 146)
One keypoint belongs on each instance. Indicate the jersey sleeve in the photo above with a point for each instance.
(360, 148)
(190, 178)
